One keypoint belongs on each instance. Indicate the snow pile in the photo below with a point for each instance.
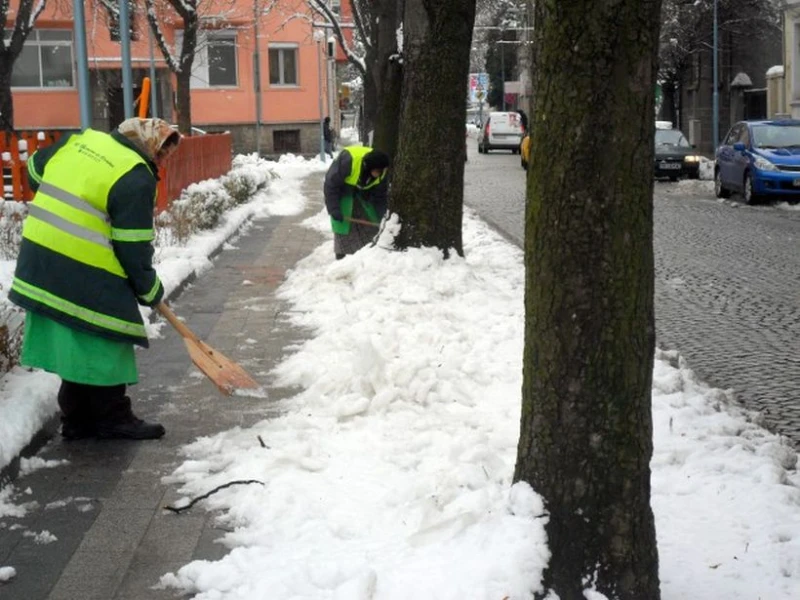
(706, 169)
(7, 574)
(34, 463)
(27, 401)
(389, 475)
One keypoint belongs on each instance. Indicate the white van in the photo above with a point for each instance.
(501, 131)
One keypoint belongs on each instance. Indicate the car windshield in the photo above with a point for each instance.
(671, 137)
(776, 136)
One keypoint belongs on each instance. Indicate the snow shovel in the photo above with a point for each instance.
(363, 222)
(223, 372)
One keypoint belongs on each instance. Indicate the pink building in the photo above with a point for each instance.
(224, 97)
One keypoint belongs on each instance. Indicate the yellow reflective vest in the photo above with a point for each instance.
(68, 267)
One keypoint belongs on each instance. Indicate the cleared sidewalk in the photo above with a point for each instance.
(113, 538)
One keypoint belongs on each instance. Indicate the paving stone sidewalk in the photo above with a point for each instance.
(114, 539)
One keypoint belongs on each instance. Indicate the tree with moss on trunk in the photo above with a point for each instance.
(586, 428)
(376, 24)
(428, 181)
(181, 65)
(27, 13)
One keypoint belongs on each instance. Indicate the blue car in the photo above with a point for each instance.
(759, 159)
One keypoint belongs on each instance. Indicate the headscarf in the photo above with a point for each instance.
(149, 135)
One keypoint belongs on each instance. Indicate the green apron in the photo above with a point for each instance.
(75, 355)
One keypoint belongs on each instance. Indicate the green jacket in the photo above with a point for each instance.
(86, 254)
(345, 184)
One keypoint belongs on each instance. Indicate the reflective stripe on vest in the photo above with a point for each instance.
(71, 228)
(69, 213)
(79, 312)
(72, 200)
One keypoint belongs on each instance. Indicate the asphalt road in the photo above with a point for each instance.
(727, 282)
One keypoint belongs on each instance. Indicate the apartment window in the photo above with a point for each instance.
(215, 59)
(336, 7)
(45, 60)
(283, 65)
(286, 141)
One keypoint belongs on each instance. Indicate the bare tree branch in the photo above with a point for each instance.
(321, 8)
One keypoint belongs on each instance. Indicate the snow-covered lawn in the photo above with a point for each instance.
(389, 476)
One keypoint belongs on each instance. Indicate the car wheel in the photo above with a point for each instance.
(750, 196)
(720, 191)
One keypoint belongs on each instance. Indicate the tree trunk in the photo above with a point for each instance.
(387, 16)
(369, 108)
(6, 99)
(428, 180)
(184, 101)
(586, 429)
(184, 75)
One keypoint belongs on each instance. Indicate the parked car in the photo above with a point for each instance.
(501, 131)
(675, 156)
(758, 159)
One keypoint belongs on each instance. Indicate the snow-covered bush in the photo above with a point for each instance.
(12, 214)
(12, 319)
(249, 174)
(205, 203)
(240, 185)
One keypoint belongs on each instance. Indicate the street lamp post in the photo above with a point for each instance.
(124, 24)
(319, 36)
(82, 63)
(503, 75)
(257, 74)
(715, 93)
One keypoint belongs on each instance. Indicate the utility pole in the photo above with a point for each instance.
(153, 82)
(715, 94)
(257, 75)
(82, 61)
(125, 39)
(319, 36)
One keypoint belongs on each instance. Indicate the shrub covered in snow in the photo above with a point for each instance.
(206, 201)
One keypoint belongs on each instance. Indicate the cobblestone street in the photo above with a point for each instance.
(727, 282)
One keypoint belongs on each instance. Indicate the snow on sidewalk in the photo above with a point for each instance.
(389, 475)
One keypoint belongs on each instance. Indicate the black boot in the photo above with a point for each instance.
(74, 399)
(117, 421)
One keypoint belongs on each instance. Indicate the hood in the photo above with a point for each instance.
(781, 156)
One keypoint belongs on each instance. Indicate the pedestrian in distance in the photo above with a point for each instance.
(356, 189)
(85, 266)
(328, 136)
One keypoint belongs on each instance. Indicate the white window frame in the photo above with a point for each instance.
(200, 67)
(281, 47)
(33, 40)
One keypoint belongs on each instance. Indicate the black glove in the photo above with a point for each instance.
(336, 214)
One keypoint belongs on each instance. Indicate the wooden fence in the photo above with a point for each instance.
(198, 158)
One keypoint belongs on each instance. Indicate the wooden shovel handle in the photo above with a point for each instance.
(362, 222)
(176, 322)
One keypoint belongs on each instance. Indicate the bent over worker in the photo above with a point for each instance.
(356, 187)
(84, 267)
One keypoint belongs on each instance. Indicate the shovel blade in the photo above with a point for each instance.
(222, 371)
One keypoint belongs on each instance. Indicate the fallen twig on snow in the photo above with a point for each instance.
(180, 509)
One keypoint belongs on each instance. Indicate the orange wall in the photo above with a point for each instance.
(59, 108)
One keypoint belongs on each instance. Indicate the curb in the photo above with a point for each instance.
(49, 430)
